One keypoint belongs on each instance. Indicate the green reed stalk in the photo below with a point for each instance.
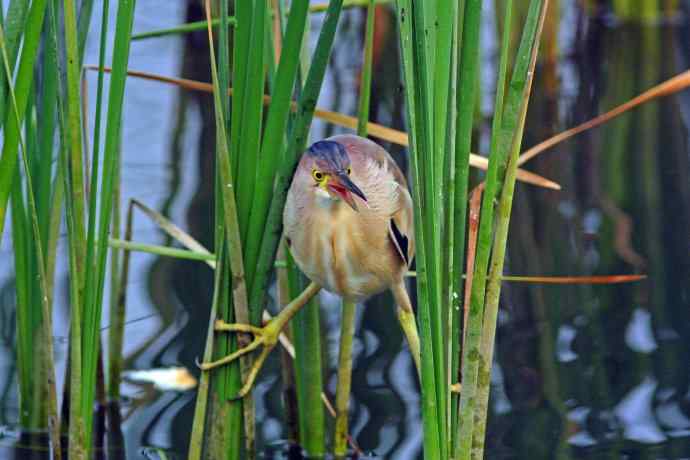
(73, 134)
(89, 275)
(32, 413)
(443, 129)
(117, 314)
(164, 251)
(251, 120)
(321, 7)
(306, 332)
(308, 424)
(469, 369)
(33, 232)
(475, 367)
(13, 26)
(347, 327)
(297, 144)
(46, 137)
(229, 210)
(416, 40)
(76, 422)
(25, 322)
(196, 440)
(83, 26)
(182, 29)
(342, 395)
(365, 80)
(46, 392)
(466, 97)
(523, 82)
(276, 125)
(23, 87)
(241, 47)
(80, 411)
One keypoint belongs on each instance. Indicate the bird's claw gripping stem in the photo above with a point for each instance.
(266, 336)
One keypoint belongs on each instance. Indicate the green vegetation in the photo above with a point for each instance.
(45, 176)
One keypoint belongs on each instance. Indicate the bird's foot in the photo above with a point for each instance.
(266, 336)
(455, 387)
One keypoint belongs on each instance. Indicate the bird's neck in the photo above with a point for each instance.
(325, 201)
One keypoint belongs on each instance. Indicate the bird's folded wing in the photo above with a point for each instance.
(401, 227)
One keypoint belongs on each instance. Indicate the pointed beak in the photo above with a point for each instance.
(342, 186)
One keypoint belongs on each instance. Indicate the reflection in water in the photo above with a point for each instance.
(580, 371)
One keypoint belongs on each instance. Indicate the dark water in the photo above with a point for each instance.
(581, 371)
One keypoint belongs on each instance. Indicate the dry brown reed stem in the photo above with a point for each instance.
(670, 86)
(473, 233)
(374, 129)
(604, 279)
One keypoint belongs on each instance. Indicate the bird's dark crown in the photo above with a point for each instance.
(329, 156)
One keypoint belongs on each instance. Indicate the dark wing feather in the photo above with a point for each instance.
(400, 241)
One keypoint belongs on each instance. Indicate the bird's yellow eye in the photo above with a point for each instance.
(349, 171)
(317, 175)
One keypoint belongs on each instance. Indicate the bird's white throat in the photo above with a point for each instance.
(324, 199)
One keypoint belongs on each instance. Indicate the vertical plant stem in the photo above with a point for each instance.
(306, 330)
(501, 237)
(365, 80)
(45, 348)
(232, 231)
(347, 328)
(196, 440)
(290, 400)
(418, 143)
(274, 133)
(80, 411)
(296, 145)
(473, 311)
(13, 25)
(466, 97)
(117, 316)
(342, 395)
(14, 114)
(95, 284)
(251, 120)
(473, 364)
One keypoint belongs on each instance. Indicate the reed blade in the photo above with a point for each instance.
(297, 144)
(481, 321)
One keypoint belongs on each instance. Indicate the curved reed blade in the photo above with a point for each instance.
(670, 86)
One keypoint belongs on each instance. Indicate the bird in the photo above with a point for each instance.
(348, 223)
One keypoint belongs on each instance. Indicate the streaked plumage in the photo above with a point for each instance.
(349, 225)
(353, 253)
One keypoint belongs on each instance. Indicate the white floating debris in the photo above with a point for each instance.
(639, 334)
(564, 344)
(165, 379)
(636, 415)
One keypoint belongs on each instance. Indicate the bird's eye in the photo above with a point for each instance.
(349, 171)
(317, 175)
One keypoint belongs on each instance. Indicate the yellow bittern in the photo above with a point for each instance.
(348, 222)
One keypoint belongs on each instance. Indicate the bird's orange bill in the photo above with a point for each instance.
(342, 186)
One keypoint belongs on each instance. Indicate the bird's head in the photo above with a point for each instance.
(331, 171)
